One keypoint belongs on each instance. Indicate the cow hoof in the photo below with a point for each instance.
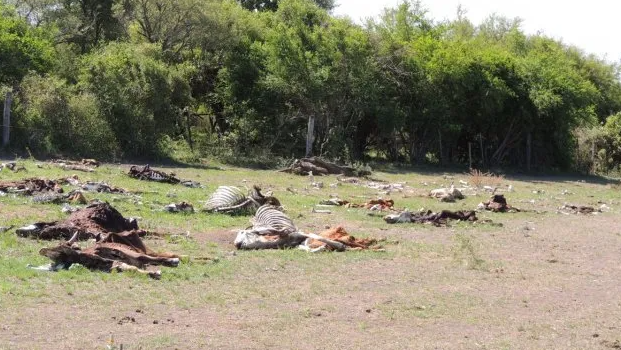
(155, 274)
(26, 231)
(174, 262)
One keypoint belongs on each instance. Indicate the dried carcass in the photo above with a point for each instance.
(117, 251)
(94, 221)
(338, 234)
(447, 194)
(437, 219)
(578, 209)
(31, 186)
(497, 203)
(231, 200)
(146, 173)
(74, 196)
(273, 229)
(101, 187)
(182, 207)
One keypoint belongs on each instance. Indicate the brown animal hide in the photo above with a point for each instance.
(339, 234)
(498, 203)
(375, 204)
(116, 250)
(31, 186)
(94, 221)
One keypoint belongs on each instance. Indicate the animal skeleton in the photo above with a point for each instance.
(273, 229)
(231, 199)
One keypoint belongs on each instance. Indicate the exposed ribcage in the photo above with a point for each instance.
(268, 216)
(227, 198)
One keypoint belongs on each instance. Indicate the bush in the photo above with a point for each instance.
(141, 98)
(54, 119)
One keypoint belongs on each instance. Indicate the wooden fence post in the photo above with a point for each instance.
(529, 141)
(309, 136)
(6, 120)
(470, 153)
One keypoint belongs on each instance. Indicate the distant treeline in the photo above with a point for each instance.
(146, 78)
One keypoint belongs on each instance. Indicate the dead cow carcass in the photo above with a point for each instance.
(231, 200)
(497, 203)
(447, 194)
(122, 251)
(94, 221)
(318, 166)
(273, 229)
(146, 173)
(429, 217)
(31, 186)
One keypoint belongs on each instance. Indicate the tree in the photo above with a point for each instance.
(22, 48)
(272, 5)
(141, 98)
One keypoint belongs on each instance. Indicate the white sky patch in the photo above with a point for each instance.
(593, 25)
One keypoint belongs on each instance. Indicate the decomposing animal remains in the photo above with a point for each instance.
(318, 166)
(182, 207)
(273, 229)
(123, 251)
(94, 221)
(29, 187)
(447, 194)
(146, 173)
(373, 204)
(497, 203)
(231, 200)
(117, 242)
(578, 209)
(428, 217)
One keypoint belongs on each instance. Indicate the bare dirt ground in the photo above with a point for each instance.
(541, 281)
(554, 286)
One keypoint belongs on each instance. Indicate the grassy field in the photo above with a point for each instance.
(531, 280)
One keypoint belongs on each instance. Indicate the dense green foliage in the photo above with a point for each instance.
(140, 77)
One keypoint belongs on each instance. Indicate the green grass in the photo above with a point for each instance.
(209, 263)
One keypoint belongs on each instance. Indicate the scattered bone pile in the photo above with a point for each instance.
(147, 174)
(182, 207)
(318, 166)
(578, 209)
(117, 242)
(428, 217)
(232, 200)
(102, 187)
(447, 194)
(30, 187)
(497, 203)
(12, 166)
(86, 165)
(374, 204)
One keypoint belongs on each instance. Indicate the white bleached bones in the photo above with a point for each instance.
(231, 199)
(273, 229)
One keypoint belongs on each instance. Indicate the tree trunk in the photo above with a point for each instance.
(309, 136)
(6, 120)
(529, 141)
